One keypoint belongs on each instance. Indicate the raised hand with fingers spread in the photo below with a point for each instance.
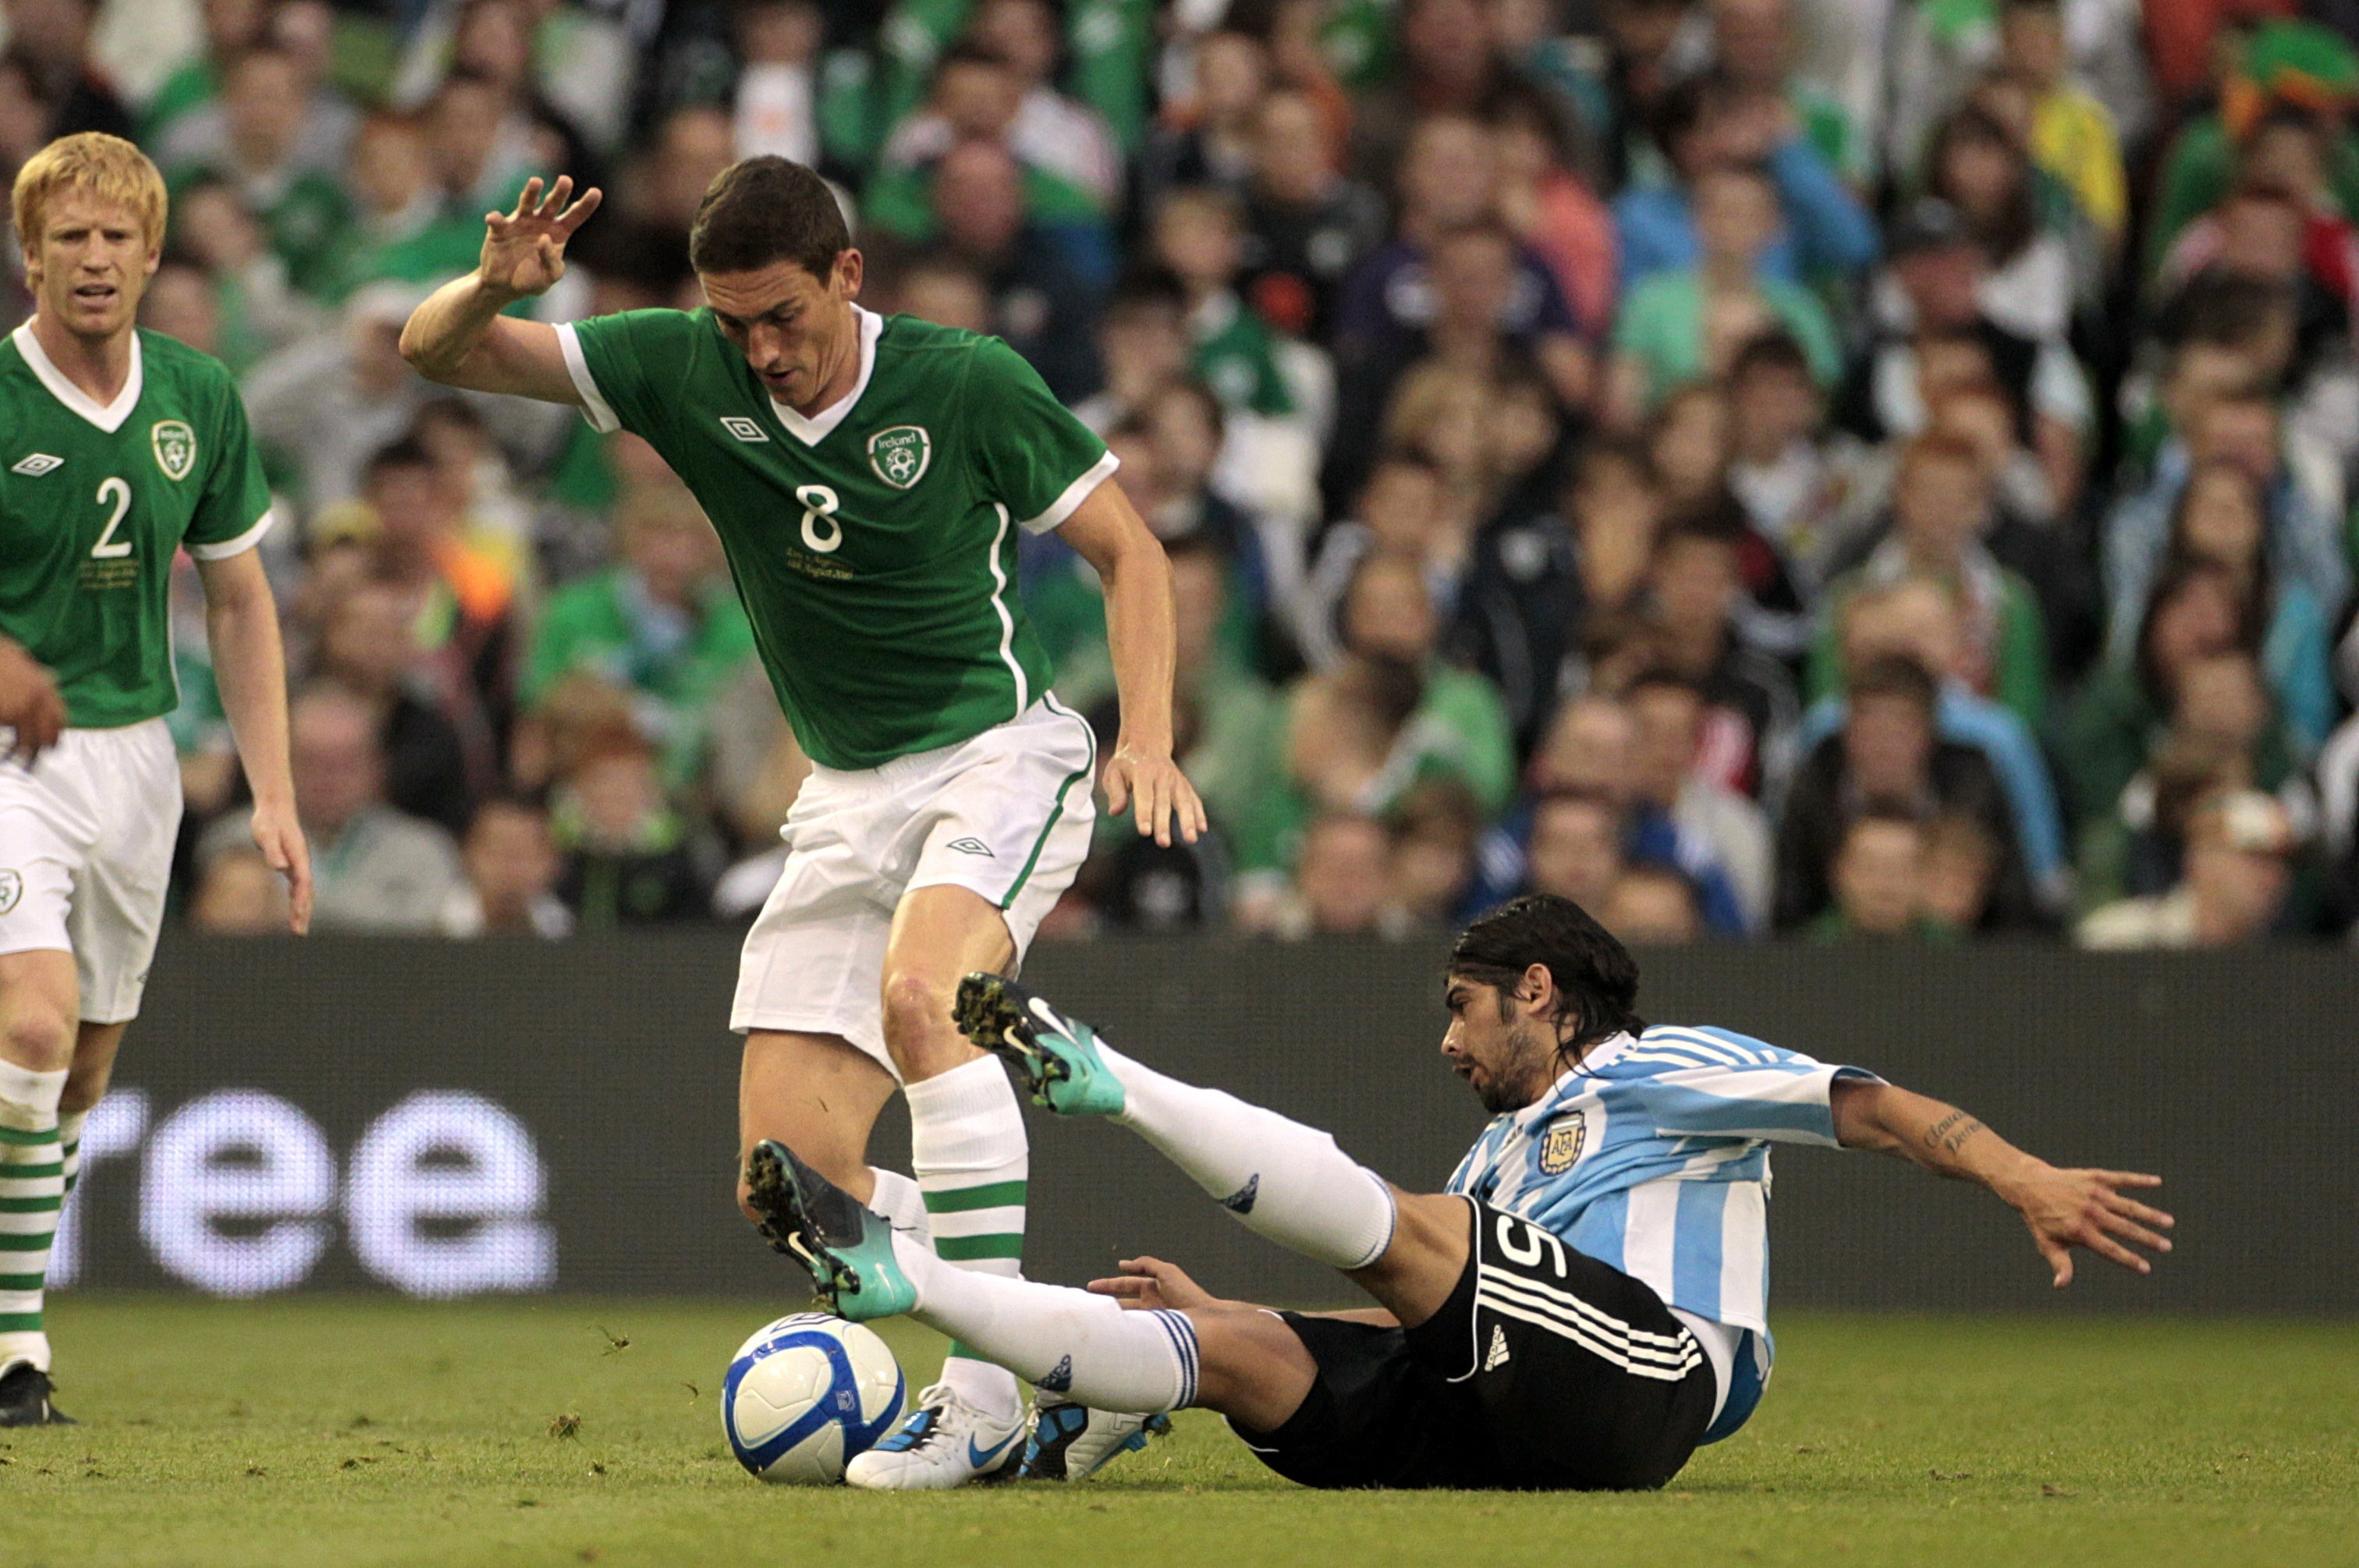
(524, 251)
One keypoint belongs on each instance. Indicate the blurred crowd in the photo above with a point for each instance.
(1846, 469)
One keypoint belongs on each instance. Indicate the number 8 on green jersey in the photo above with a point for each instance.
(883, 596)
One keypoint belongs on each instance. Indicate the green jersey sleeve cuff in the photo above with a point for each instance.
(1066, 505)
(222, 549)
(594, 407)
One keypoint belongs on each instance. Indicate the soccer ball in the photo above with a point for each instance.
(805, 1394)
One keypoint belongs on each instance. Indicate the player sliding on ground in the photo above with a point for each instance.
(868, 477)
(1584, 1307)
(118, 448)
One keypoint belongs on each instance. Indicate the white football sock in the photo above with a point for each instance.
(973, 1162)
(900, 1201)
(1069, 1342)
(69, 1125)
(32, 1191)
(1285, 1181)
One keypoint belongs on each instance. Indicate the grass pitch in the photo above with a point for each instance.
(359, 1432)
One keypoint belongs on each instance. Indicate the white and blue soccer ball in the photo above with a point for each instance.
(805, 1394)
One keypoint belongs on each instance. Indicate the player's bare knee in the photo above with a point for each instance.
(36, 1036)
(918, 1028)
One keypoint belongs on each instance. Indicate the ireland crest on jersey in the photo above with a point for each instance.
(176, 448)
(901, 453)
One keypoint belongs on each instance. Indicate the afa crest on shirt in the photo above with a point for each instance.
(176, 448)
(1562, 1145)
(899, 454)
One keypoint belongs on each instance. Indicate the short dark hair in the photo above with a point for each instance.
(1718, 520)
(1774, 350)
(767, 210)
(1146, 287)
(1594, 971)
(407, 451)
(1896, 675)
(966, 51)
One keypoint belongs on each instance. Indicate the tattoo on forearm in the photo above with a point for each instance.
(1952, 1131)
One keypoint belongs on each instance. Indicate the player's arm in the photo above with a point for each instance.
(250, 667)
(30, 705)
(2064, 1209)
(1149, 1283)
(458, 336)
(1106, 530)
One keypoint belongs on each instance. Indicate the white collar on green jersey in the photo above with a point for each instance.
(107, 416)
(813, 430)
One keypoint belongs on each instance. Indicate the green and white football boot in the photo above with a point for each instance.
(1056, 1056)
(847, 1250)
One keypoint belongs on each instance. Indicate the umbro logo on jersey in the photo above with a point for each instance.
(971, 846)
(1497, 1357)
(743, 429)
(1241, 1202)
(41, 462)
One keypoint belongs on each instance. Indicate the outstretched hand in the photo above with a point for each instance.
(1155, 794)
(280, 838)
(2066, 1209)
(524, 251)
(1149, 1283)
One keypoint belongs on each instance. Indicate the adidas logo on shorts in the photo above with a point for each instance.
(1497, 1357)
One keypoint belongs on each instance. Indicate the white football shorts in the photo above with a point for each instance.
(86, 837)
(1006, 815)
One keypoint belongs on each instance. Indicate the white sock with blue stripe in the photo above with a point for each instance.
(1065, 1340)
(1280, 1179)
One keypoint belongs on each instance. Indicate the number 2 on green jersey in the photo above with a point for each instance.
(108, 547)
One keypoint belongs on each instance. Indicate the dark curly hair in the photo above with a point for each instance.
(1595, 977)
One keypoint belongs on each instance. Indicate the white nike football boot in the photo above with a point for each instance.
(944, 1442)
(1073, 1442)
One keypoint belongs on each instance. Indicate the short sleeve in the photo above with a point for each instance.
(612, 359)
(1716, 1085)
(1035, 458)
(232, 512)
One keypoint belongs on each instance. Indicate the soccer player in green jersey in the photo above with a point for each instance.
(118, 448)
(867, 477)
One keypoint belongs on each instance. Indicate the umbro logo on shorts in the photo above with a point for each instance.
(743, 429)
(970, 846)
(41, 462)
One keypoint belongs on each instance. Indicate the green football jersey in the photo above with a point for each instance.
(94, 502)
(874, 545)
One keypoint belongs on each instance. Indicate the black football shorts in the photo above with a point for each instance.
(1545, 1370)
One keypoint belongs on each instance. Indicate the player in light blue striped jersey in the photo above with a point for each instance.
(1582, 1308)
(1652, 1154)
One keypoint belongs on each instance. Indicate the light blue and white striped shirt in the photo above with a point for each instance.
(1652, 1155)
